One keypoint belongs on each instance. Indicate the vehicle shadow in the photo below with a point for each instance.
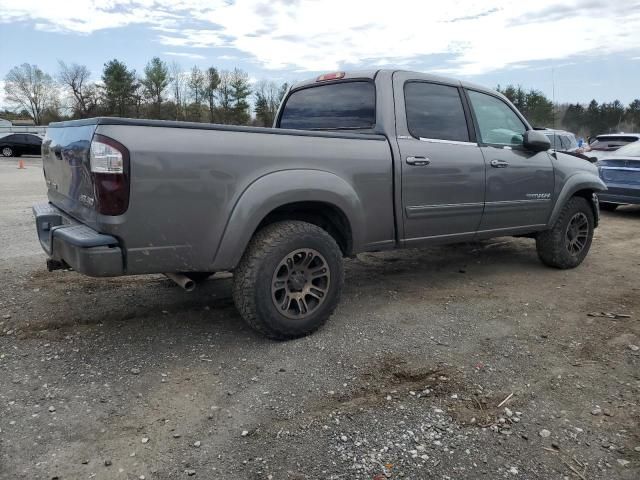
(627, 211)
(154, 300)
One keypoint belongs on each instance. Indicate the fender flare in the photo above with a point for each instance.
(275, 190)
(575, 183)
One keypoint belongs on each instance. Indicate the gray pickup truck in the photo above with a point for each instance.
(356, 162)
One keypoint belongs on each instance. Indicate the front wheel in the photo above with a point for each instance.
(567, 243)
(289, 280)
(7, 152)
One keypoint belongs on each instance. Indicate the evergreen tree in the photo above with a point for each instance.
(574, 117)
(212, 81)
(539, 109)
(240, 92)
(225, 99)
(120, 85)
(632, 115)
(155, 82)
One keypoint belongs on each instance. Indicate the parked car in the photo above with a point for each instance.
(612, 141)
(620, 171)
(561, 140)
(357, 162)
(16, 144)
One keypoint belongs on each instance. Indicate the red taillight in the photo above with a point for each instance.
(330, 76)
(110, 169)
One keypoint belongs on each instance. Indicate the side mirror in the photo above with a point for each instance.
(536, 141)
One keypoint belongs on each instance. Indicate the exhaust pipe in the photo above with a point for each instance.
(182, 280)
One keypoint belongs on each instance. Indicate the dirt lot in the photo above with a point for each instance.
(133, 378)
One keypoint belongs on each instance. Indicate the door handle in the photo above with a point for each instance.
(418, 161)
(499, 164)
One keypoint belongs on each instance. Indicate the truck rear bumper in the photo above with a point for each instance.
(79, 246)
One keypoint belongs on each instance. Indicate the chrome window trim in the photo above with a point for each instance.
(450, 142)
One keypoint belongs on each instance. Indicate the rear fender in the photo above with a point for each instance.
(575, 183)
(276, 190)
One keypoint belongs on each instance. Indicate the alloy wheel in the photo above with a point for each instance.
(300, 283)
(577, 233)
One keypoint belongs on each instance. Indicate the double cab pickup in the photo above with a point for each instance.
(355, 162)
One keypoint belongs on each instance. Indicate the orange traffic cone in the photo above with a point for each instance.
(21, 164)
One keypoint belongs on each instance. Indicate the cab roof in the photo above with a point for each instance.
(372, 74)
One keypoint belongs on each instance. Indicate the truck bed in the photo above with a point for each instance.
(187, 180)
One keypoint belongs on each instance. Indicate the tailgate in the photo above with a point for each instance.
(65, 160)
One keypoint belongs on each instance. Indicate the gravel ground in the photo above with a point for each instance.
(465, 361)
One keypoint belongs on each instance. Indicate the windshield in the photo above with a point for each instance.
(346, 105)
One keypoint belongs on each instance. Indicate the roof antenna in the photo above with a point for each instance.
(553, 93)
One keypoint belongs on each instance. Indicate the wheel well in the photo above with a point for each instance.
(587, 194)
(324, 215)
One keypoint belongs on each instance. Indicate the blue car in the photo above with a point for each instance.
(620, 171)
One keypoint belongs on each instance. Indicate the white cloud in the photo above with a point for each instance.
(310, 35)
(195, 56)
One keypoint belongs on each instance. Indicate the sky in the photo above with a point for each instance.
(572, 51)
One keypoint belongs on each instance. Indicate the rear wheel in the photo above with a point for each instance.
(7, 152)
(567, 243)
(289, 280)
(608, 207)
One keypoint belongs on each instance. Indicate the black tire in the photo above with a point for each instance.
(254, 287)
(6, 151)
(198, 277)
(608, 207)
(556, 248)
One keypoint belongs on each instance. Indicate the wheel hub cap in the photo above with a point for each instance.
(300, 283)
(577, 233)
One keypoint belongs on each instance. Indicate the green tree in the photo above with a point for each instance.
(516, 95)
(155, 82)
(224, 111)
(539, 109)
(211, 83)
(534, 105)
(120, 85)
(240, 92)
(29, 88)
(574, 117)
(593, 118)
(612, 115)
(632, 115)
(196, 85)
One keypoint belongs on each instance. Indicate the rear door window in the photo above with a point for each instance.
(334, 106)
(435, 112)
